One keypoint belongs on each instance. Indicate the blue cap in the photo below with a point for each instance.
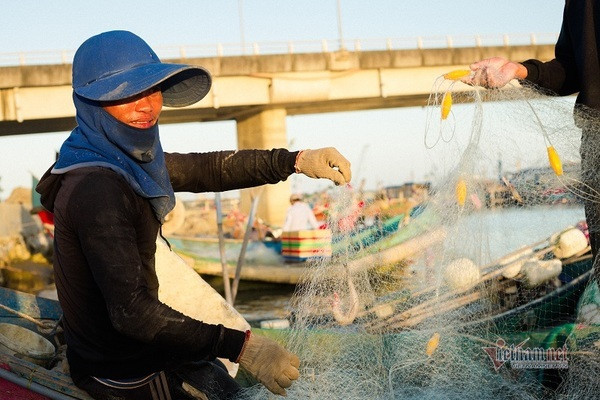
(117, 65)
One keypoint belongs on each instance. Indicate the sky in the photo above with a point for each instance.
(385, 147)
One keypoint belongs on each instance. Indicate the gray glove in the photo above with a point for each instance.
(324, 163)
(270, 363)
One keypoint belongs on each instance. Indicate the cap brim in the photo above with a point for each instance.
(182, 85)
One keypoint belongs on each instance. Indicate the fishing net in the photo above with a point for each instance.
(476, 292)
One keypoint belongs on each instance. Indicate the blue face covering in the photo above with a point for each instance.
(136, 154)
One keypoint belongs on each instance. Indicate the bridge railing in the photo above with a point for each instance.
(299, 46)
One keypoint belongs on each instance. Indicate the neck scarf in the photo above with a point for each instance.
(136, 154)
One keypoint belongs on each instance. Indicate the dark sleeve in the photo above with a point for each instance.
(107, 215)
(228, 170)
(559, 75)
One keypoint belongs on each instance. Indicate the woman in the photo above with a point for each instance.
(110, 191)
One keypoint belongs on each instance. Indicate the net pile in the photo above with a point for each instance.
(491, 263)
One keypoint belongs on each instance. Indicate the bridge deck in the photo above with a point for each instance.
(37, 98)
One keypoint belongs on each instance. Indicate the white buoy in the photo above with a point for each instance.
(461, 274)
(537, 272)
(512, 270)
(569, 242)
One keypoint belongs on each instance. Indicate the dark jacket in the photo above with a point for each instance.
(104, 243)
(576, 67)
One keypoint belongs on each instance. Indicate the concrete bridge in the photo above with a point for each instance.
(259, 91)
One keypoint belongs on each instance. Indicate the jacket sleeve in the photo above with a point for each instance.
(560, 74)
(228, 170)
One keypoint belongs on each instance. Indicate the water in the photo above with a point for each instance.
(258, 301)
(498, 232)
(506, 229)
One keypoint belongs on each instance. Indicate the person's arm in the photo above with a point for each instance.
(495, 72)
(106, 216)
(227, 170)
(559, 75)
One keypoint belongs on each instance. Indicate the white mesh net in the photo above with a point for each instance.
(477, 295)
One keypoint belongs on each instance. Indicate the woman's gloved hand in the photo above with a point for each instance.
(271, 364)
(495, 72)
(324, 163)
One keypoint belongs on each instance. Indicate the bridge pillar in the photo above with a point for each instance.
(265, 130)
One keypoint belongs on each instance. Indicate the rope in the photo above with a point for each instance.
(45, 327)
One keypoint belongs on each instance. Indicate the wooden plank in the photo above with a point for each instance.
(54, 380)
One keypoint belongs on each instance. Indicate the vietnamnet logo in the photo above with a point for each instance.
(518, 357)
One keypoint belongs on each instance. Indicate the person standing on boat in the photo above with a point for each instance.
(110, 191)
(575, 69)
(299, 216)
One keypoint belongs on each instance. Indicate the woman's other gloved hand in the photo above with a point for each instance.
(271, 364)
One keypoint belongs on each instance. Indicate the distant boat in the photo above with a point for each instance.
(266, 265)
(268, 251)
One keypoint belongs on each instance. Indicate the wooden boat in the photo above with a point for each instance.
(268, 251)
(20, 377)
(393, 248)
(494, 302)
(358, 238)
(549, 310)
(367, 236)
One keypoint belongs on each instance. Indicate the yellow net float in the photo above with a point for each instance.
(555, 162)
(446, 104)
(432, 344)
(457, 74)
(461, 192)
